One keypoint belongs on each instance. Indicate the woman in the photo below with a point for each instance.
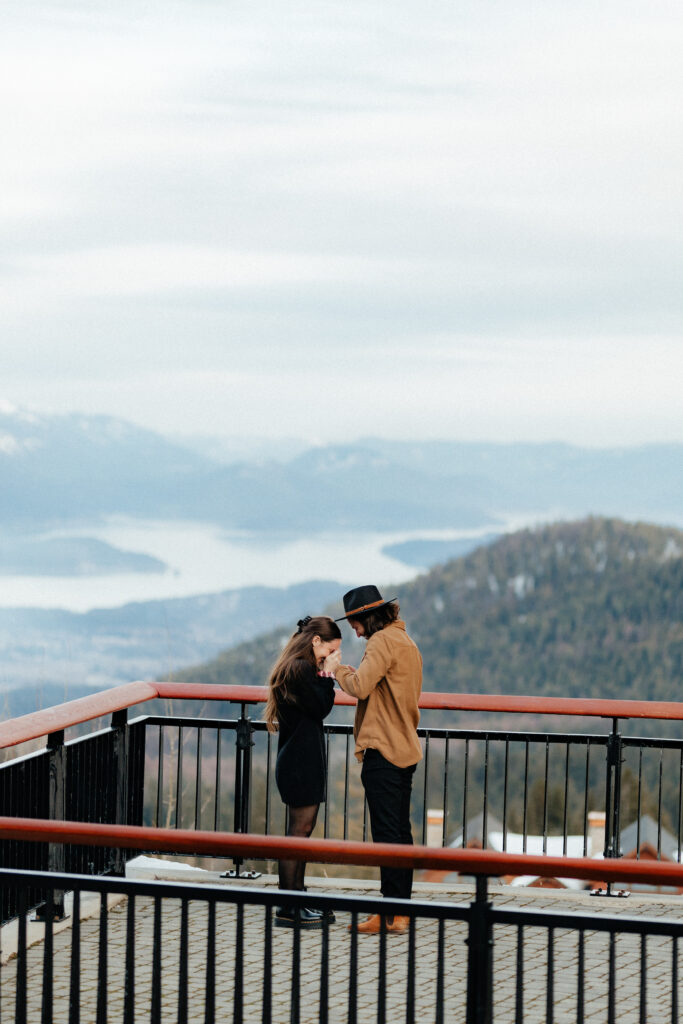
(387, 683)
(301, 695)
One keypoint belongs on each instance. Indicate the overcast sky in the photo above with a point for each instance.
(435, 219)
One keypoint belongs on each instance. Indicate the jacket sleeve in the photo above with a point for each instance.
(312, 695)
(372, 669)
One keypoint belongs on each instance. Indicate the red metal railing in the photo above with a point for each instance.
(329, 851)
(85, 709)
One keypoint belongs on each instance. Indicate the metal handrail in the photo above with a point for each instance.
(487, 863)
(38, 724)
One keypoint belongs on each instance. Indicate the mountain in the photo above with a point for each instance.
(74, 469)
(70, 556)
(576, 609)
(43, 649)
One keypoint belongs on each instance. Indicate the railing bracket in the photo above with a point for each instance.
(236, 873)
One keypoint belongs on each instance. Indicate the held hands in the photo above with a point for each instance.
(332, 661)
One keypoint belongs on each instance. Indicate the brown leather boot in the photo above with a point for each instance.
(373, 925)
(370, 926)
(398, 925)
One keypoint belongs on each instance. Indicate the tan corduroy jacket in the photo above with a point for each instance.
(387, 683)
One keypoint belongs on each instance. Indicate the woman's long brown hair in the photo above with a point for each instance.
(298, 648)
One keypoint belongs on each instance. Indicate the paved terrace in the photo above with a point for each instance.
(659, 954)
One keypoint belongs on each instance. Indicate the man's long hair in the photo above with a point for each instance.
(298, 648)
(375, 620)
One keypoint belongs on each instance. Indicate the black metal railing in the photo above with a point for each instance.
(161, 951)
(94, 778)
(515, 790)
(522, 791)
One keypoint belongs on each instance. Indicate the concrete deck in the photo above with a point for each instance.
(659, 960)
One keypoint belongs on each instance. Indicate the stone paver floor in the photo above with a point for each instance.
(659, 964)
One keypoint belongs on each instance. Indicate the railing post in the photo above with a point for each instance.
(613, 792)
(613, 763)
(56, 857)
(120, 729)
(243, 744)
(480, 957)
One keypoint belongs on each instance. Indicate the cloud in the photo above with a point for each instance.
(224, 188)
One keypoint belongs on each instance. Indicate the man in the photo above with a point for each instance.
(387, 683)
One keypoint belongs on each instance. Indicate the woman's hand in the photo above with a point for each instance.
(332, 661)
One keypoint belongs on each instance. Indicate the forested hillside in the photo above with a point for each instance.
(575, 609)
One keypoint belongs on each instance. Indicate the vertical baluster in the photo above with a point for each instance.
(217, 808)
(267, 1005)
(566, 801)
(519, 980)
(182, 963)
(545, 797)
(464, 798)
(382, 978)
(440, 990)
(445, 793)
(326, 819)
(48, 960)
(680, 803)
(155, 1016)
(20, 991)
(525, 796)
(352, 1016)
(505, 795)
(198, 783)
(611, 982)
(410, 994)
(485, 815)
(160, 778)
(674, 980)
(346, 790)
(102, 963)
(550, 985)
(238, 991)
(425, 797)
(643, 979)
(129, 978)
(659, 806)
(75, 965)
(581, 979)
(269, 752)
(295, 1001)
(585, 799)
(640, 793)
(179, 780)
(210, 987)
(323, 1016)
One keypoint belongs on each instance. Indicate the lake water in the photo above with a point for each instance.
(205, 559)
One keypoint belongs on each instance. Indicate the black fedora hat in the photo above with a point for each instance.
(361, 600)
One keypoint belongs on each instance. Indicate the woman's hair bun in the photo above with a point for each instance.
(302, 623)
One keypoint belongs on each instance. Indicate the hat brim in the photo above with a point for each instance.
(366, 609)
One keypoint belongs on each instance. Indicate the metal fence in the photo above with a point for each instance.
(161, 951)
(93, 778)
(516, 790)
(524, 791)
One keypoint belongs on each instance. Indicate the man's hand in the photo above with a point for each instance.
(332, 661)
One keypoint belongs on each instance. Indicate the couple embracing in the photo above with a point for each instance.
(387, 683)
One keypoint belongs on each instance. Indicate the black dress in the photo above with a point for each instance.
(301, 764)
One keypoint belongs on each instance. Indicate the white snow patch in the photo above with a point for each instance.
(521, 584)
(671, 550)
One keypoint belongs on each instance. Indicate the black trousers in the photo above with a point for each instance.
(387, 790)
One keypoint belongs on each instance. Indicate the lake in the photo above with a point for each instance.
(205, 559)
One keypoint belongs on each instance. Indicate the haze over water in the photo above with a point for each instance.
(203, 559)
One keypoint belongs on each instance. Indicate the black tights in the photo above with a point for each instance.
(301, 822)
